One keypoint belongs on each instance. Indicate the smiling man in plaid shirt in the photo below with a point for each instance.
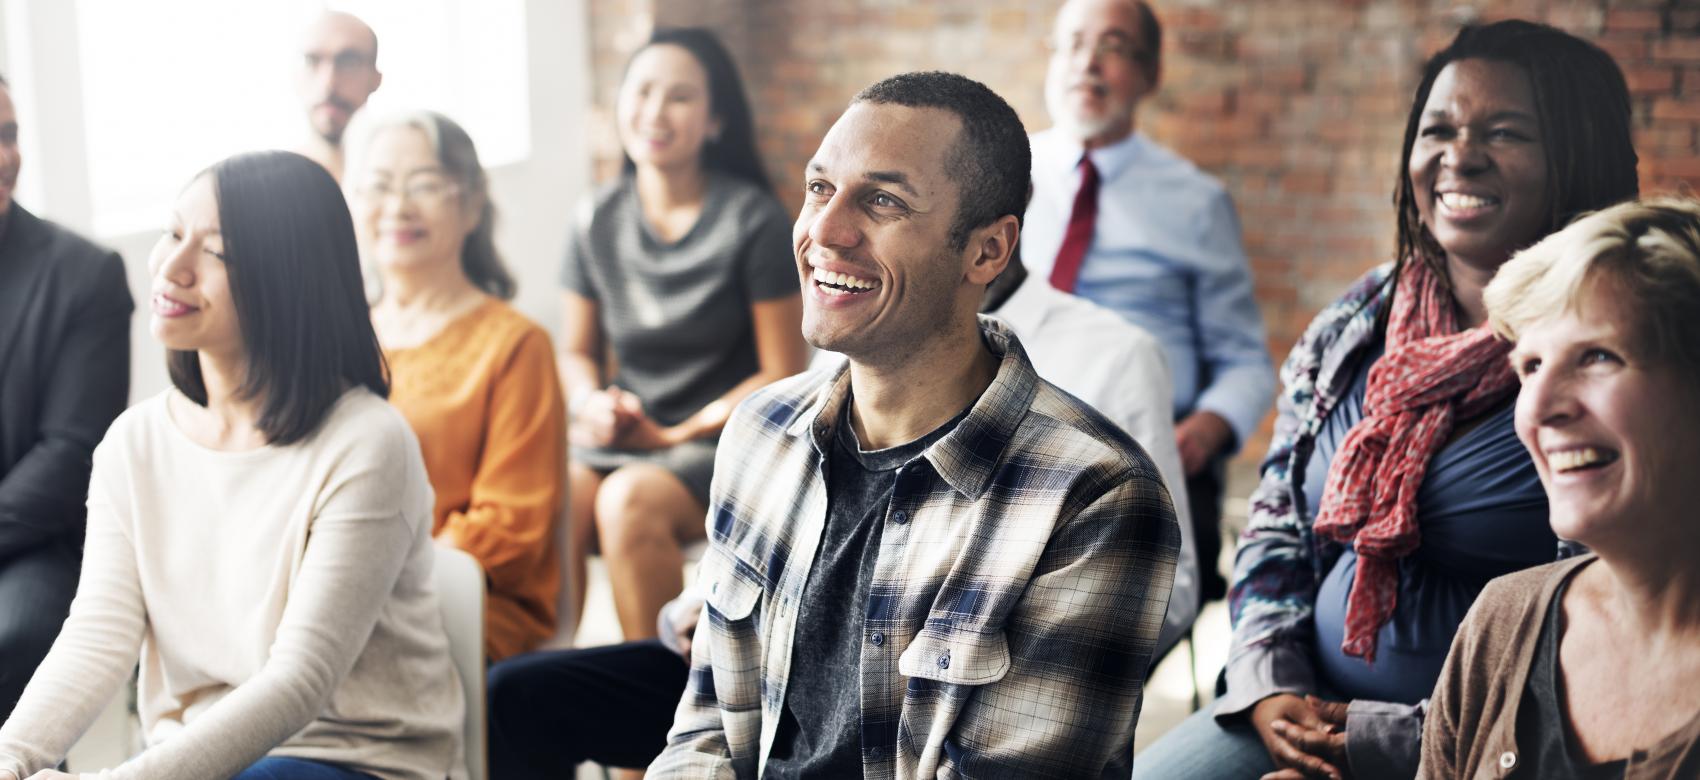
(929, 562)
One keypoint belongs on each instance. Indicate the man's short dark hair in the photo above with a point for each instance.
(991, 162)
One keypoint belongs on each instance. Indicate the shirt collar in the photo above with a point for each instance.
(1109, 160)
(967, 457)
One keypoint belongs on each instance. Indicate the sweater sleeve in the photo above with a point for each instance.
(97, 647)
(516, 491)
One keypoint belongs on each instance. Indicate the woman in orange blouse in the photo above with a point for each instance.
(475, 378)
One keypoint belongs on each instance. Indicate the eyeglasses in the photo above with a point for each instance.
(345, 61)
(424, 188)
(1112, 46)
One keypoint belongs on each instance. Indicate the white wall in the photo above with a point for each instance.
(536, 197)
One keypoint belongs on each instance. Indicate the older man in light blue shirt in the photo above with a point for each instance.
(1157, 240)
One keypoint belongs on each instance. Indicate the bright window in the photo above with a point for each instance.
(171, 86)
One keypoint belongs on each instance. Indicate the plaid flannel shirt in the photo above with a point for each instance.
(1021, 581)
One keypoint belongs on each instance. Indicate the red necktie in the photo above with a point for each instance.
(1078, 237)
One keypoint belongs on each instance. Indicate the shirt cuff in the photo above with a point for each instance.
(1243, 424)
(1383, 739)
(1264, 670)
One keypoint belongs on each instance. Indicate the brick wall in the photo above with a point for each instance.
(1297, 105)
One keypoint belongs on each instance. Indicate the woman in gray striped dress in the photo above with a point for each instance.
(680, 297)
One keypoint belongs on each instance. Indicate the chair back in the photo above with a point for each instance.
(460, 595)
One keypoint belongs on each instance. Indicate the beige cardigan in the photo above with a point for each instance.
(1471, 729)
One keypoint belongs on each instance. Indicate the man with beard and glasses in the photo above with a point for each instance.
(1133, 227)
(339, 71)
(927, 561)
(64, 376)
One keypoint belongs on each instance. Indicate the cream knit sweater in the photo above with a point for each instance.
(279, 599)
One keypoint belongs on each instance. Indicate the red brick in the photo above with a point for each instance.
(1624, 49)
(1650, 80)
(1212, 103)
(1305, 183)
(1634, 20)
(1674, 108)
(1677, 49)
(1677, 167)
(1666, 138)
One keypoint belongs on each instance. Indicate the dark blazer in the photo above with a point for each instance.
(64, 374)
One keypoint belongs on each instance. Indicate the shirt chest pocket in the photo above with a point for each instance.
(956, 656)
(732, 594)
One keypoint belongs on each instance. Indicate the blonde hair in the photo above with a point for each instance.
(1645, 253)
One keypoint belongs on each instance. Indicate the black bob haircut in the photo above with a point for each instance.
(1582, 103)
(295, 282)
(734, 151)
(991, 162)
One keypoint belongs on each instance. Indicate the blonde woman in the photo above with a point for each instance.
(1590, 667)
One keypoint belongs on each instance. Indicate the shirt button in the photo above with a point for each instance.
(944, 661)
(1507, 760)
(900, 517)
(878, 639)
(714, 587)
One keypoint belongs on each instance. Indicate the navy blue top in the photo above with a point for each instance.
(1481, 512)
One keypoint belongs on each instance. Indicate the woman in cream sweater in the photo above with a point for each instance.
(258, 535)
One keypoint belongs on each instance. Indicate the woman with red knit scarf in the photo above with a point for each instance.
(1395, 486)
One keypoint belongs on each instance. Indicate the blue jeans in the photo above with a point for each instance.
(279, 768)
(1200, 749)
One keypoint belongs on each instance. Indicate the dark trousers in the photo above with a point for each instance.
(1204, 496)
(36, 587)
(553, 710)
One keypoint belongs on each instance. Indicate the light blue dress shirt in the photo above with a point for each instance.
(1165, 255)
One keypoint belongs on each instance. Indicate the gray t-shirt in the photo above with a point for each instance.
(678, 314)
(820, 729)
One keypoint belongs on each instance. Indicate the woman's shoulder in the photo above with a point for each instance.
(1525, 592)
(603, 205)
(138, 426)
(748, 202)
(1359, 303)
(501, 323)
(362, 421)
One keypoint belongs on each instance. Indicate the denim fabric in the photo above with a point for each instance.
(279, 768)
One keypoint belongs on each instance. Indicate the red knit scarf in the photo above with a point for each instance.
(1429, 376)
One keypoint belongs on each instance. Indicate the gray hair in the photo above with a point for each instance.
(479, 258)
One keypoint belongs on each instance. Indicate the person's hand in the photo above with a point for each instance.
(1200, 436)
(45, 774)
(601, 418)
(6, 774)
(1327, 743)
(1284, 722)
(637, 430)
(687, 613)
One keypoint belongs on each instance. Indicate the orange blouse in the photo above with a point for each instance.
(485, 401)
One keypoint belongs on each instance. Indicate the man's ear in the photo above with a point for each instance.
(990, 248)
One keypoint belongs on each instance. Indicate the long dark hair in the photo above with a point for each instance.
(1582, 103)
(734, 152)
(294, 272)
